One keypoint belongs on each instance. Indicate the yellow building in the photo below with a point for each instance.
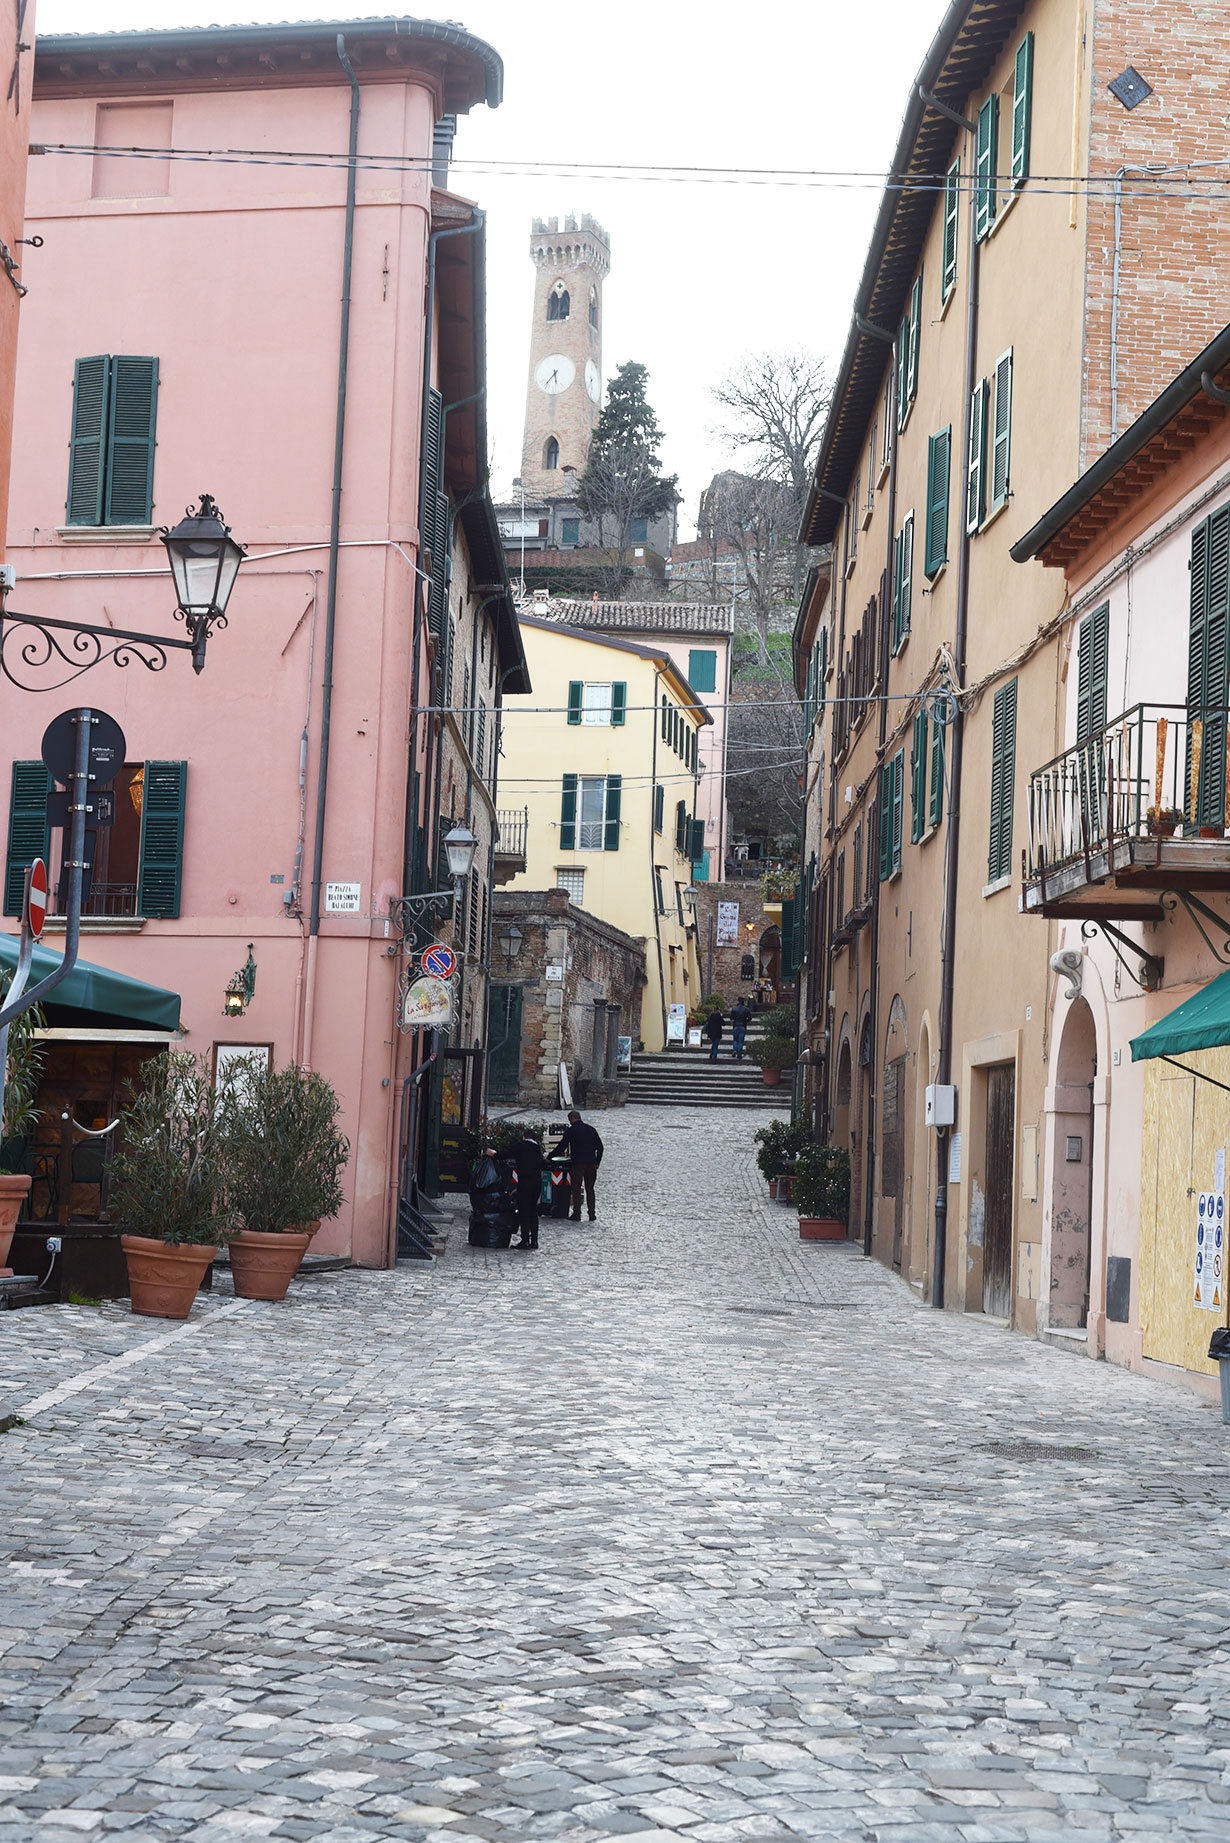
(605, 763)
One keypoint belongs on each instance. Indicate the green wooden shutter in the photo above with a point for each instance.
(665, 721)
(619, 701)
(132, 415)
(898, 805)
(935, 807)
(681, 821)
(614, 783)
(915, 335)
(1093, 644)
(1022, 107)
(480, 741)
(987, 144)
(568, 815)
(886, 821)
(907, 573)
(696, 839)
(702, 668)
(88, 442)
(918, 773)
(939, 450)
(952, 201)
(895, 603)
(903, 371)
(1001, 446)
(790, 946)
(1213, 755)
(659, 801)
(575, 694)
(975, 485)
(162, 839)
(1003, 777)
(29, 833)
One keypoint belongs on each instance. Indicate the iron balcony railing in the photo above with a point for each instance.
(114, 899)
(1156, 771)
(513, 831)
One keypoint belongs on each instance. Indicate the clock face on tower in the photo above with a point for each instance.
(593, 383)
(555, 373)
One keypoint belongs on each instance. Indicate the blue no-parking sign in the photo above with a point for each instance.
(439, 961)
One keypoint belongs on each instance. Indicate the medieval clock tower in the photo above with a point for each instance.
(565, 382)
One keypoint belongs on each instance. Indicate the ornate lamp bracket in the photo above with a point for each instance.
(1152, 966)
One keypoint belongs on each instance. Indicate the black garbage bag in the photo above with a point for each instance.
(1219, 1344)
(493, 1213)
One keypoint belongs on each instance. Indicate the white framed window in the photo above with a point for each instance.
(574, 882)
(596, 704)
(591, 811)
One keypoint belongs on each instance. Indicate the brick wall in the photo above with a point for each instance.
(722, 965)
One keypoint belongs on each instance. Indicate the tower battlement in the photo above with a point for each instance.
(579, 241)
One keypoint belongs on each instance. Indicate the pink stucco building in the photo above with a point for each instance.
(185, 332)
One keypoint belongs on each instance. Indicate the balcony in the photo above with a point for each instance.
(510, 844)
(1138, 810)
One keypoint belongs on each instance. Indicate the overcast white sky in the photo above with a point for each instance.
(702, 275)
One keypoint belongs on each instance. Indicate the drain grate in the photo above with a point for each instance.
(1035, 1449)
(762, 1311)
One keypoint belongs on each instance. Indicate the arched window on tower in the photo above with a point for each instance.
(550, 454)
(558, 303)
(593, 308)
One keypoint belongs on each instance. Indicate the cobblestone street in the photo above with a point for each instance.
(678, 1529)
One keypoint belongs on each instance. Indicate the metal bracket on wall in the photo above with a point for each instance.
(1152, 966)
(1191, 904)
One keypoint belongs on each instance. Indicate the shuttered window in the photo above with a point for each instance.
(433, 539)
(903, 370)
(1001, 438)
(614, 784)
(568, 815)
(659, 803)
(903, 573)
(952, 200)
(1206, 666)
(939, 452)
(1003, 778)
(1093, 644)
(160, 878)
(986, 143)
(576, 691)
(681, 826)
(619, 701)
(111, 447)
(1022, 108)
(918, 776)
(935, 803)
(975, 485)
(892, 779)
(915, 336)
(28, 830)
(702, 668)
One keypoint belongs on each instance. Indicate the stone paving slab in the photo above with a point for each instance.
(679, 1529)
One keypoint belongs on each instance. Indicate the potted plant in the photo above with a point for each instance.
(19, 1114)
(822, 1192)
(1163, 821)
(283, 1157)
(780, 1144)
(166, 1185)
(773, 1054)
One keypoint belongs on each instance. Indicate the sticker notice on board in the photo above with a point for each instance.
(343, 898)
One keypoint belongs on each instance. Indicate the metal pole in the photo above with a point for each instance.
(79, 799)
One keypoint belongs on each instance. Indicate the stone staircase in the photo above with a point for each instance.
(686, 1078)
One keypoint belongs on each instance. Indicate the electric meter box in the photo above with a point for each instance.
(941, 1100)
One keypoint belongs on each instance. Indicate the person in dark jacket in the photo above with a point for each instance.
(584, 1150)
(527, 1157)
(740, 1018)
(714, 1025)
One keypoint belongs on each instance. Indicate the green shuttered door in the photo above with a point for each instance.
(162, 839)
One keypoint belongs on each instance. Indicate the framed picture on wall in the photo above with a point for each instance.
(228, 1057)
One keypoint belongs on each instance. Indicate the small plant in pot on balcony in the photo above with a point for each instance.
(20, 1115)
(283, 1157)
(773, 1054)
(166, 1186)
(1163, 821)
(822, 1192)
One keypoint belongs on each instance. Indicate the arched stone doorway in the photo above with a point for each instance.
(841, 1094)
(922, 1165)
(895, 1124)
(1076, 1068)
(771, 957)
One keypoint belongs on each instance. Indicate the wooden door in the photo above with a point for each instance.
(892, 1161)
(504, 1041)
(997, 1241)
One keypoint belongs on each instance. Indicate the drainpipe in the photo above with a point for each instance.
(335, 516)
(952, 843)
(653, 881)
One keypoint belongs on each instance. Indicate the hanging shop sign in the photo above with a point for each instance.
(427, 1004)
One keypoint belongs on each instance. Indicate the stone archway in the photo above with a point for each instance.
(1072, 1120)
(771, 957)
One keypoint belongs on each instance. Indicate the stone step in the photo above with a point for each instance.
(768, 1097)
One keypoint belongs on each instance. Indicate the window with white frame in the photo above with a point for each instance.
(591, 812)
(596, 704)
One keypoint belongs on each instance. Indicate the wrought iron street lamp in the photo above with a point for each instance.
(460, 846)
(205, 561)
(510, 938)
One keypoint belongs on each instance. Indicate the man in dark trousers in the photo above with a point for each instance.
(740, 1018)
(584, 1150)
(713, 1030)
(527, 1156)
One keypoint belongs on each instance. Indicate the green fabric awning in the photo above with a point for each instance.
(1200, 1022)
(97, 988)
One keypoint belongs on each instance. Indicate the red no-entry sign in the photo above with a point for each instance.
(36, 905)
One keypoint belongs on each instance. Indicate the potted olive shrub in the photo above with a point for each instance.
(284, 1157)
(773, 1054)
(25, 1063)
(822, 1192)
(165, 1184)
(780, 1144)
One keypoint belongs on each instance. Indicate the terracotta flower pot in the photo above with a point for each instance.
(771, 1077)
(13, 1192)
(263, 1266)
(163, 1276)
(821, 1228)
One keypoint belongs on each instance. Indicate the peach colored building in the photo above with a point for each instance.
(189, 333)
